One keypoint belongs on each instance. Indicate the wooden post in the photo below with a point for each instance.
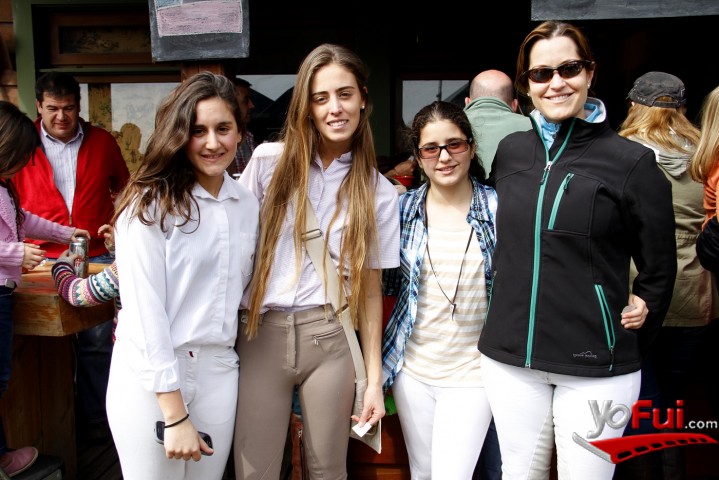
(8, 76)
(188, 69)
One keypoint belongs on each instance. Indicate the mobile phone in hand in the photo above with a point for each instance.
(160, 435)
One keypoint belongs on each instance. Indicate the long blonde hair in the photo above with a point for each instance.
(667, 128)
(707, 153)
(289, 184)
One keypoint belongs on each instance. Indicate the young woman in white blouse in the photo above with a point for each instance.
(185, 237)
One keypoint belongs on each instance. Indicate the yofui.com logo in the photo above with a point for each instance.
(615, 450)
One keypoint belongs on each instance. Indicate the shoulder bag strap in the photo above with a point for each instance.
(314, 245)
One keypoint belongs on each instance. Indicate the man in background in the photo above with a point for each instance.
(73, 180)
(248, 144)
(491, 108)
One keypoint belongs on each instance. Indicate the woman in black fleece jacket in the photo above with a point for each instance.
(563, 340)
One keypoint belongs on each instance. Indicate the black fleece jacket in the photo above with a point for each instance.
(708, 246)
(566, 232)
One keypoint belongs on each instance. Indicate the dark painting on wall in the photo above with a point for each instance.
(608, 9)
(199, 29)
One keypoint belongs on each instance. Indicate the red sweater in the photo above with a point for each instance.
(101, 174)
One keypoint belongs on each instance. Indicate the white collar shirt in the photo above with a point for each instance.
(182, 288)
(63, 160)
(285, 290)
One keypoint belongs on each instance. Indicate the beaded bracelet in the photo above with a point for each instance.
(178, 422)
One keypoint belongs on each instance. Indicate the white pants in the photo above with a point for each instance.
(443, 427)
(534, 409)
(209, 388)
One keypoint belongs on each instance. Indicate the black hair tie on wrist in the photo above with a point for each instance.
(178, 422)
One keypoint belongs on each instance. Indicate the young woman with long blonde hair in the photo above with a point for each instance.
(326, 155)
(705, 163)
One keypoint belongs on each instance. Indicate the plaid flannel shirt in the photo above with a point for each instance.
(404, 280)
(243, 155)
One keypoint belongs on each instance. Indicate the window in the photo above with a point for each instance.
(271, 95)
(418, 93)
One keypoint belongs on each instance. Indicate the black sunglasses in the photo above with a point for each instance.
(569, 69)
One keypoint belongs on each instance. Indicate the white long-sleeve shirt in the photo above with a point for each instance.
(182, 287)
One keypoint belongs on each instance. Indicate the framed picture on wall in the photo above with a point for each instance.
(99, 39)
(199, 29)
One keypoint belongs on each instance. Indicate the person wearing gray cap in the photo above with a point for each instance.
(658, 89)
(656, 120)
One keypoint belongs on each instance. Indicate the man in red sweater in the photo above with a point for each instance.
(73, 180)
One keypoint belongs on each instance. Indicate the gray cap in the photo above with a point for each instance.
(653, 85)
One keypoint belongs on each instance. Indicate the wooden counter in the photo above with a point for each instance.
(39, 407)
(39, 309)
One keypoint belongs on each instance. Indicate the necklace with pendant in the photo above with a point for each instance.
(452, 302)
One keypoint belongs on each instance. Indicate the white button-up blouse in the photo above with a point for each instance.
(181, 288)
(285, 290)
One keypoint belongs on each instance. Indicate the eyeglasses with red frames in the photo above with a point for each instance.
(566, 70)
(432, 152)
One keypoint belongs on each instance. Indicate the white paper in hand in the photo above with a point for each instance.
(363, 429)
(629, 308)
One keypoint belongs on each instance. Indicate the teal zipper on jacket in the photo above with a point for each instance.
(608, 325)
(558, 199)
(537, 239)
